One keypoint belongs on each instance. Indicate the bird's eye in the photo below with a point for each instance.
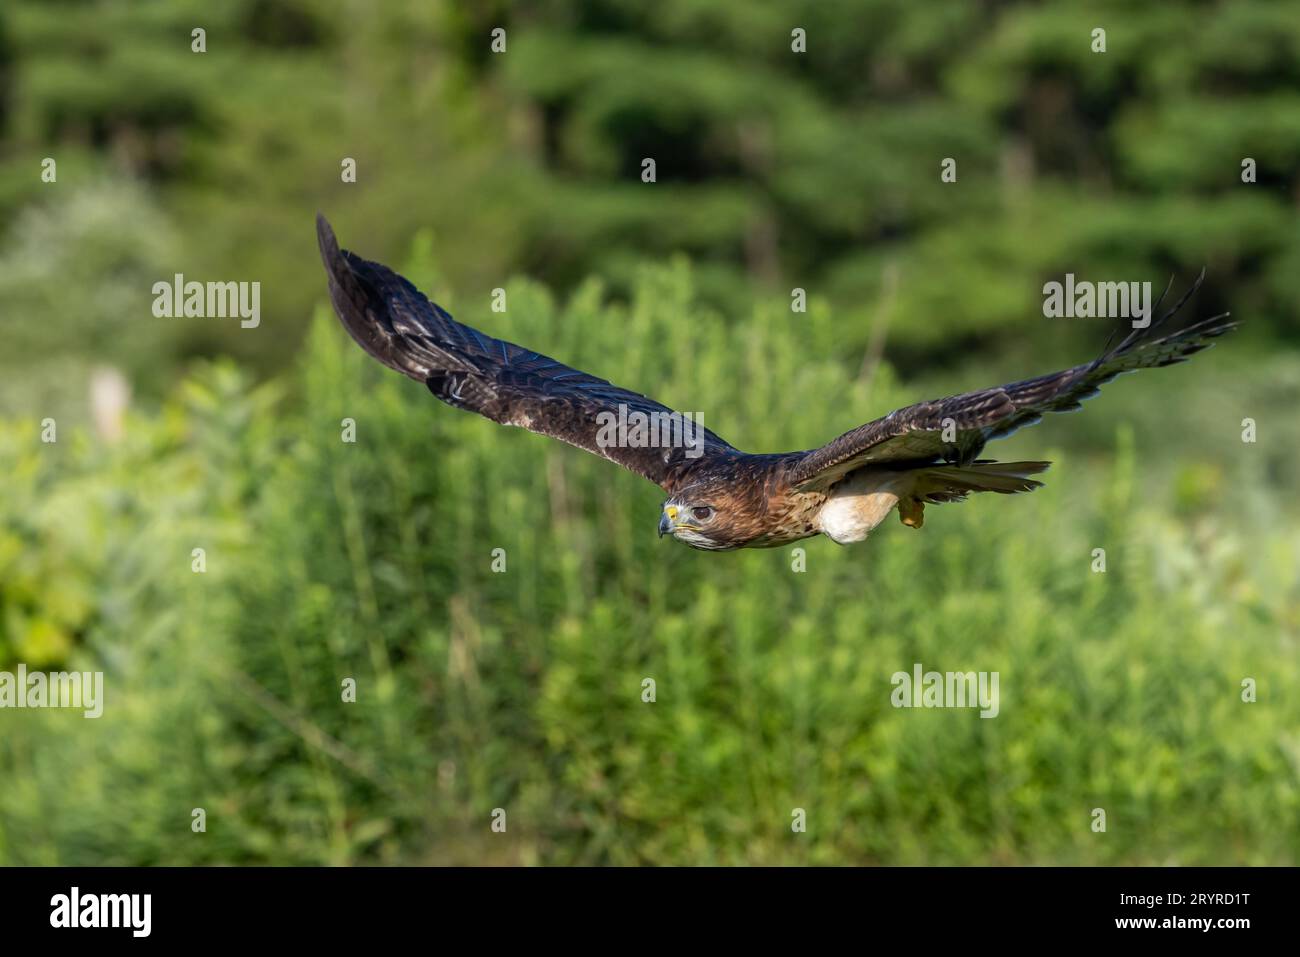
(702, 513)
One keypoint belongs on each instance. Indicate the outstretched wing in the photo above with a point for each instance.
(395, 323)
(916, 433)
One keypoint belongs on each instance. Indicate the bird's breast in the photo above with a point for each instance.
(857, 506)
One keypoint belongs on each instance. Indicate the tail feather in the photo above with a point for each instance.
(952, 483)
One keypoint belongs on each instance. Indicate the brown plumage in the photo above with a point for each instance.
(719, 497)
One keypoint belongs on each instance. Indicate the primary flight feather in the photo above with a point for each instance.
(719, 497)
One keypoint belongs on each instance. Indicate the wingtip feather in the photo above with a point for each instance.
(329, 246)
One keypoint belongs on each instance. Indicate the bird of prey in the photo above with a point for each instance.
(720, 498)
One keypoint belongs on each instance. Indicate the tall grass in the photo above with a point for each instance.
(522, 690)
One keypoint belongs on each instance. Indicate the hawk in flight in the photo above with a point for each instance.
(721, 498)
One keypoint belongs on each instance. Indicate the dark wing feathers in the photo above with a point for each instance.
(915, 434)
(395, 323)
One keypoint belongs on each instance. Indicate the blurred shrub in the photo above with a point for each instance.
(76, 275)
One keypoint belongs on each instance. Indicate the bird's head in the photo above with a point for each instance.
(703, 520)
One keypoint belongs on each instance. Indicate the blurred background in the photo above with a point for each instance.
(522, 690)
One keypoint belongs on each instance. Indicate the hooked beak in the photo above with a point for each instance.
(666, 520)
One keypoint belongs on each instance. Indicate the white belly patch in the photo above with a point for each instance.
(859, 505)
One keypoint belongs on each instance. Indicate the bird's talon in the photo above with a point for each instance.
(911, 512)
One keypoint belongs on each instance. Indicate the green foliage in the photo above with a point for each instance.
(522, 690)
(775, 169)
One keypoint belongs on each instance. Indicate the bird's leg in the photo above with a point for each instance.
(911, 512)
